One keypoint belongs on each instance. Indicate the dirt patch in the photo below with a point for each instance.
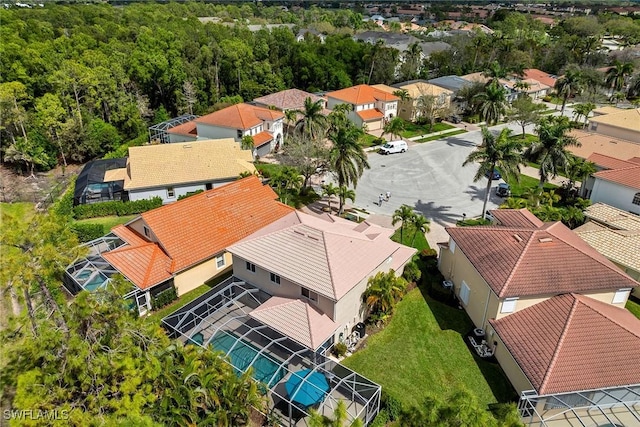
(44, 186)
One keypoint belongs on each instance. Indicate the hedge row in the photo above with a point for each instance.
(189, 194)
(118, 208)
(87, 232)
(64, 205)
(164, 298)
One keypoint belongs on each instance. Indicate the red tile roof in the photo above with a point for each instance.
(629, 176)
(367, 115)
(290, 99)
(608, 162)
(362, 94)
(516, 218)
(195, 229)
(240, 116)
(545, 260)
(262, 138)
(634, 160)
(541, 76)
(572, 342)
(188, 128)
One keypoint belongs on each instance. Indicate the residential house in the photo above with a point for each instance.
(606, 109)
(511, 92)
(531, 87)
(452, 83)
(289, 99)
(407, 108)
(602, 162)
(521, 261)
(618, 187)
(265, 126)
(310, 33)
(540, 76)
(401, 43)
(316, 270)
(371, 107)
(592, 143)
(624, 124)
(180, 245)
(616, 235)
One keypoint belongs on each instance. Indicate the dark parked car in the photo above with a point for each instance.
(454, 119)
(503, 190)
(496, 174)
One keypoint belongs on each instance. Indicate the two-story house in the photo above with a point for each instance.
(623, 124)
(264, 125)
(409, 109)
(316, 270)
(372, 107)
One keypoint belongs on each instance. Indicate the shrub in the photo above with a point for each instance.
(123, 149)
(64, 205)
(189, 194)
(116, 207)
(340, 349)
(547, 98)
(164, 298)
(391, 405)
(381, 420)
(411, 272)
(87, 232)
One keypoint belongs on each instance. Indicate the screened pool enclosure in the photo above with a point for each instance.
(295, 378)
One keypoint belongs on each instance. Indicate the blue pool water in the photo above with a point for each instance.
(264, 369)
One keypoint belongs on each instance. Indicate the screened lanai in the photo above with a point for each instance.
(610, 407)
(158, 132)
(296, 378)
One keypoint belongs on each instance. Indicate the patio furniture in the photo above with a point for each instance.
(307, 387)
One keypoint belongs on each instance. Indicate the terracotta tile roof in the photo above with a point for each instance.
(573, 343)
(613, 217)
(144, 265)
(367, 115)
(290, 99)
(186, 162)
(362, 94)
(595, 143)
(128, 235)
(261, 138)
(328, 255)
(635, 160)
(240, 116)
(629, 177)
(188, 128)
(625, 119)
(516, 218)
(620, 246)
(541, 76)
(296, 319)
(608, 162)
(527, 261)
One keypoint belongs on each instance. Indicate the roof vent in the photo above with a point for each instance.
(517, 237)
(545, 240)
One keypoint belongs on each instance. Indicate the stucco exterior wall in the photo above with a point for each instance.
(138, 225)
(406, 109)
(615, 195)
(616, 132)
(181, 138)
(214, 132)
(518, 379)
(179, 190)
(332, 102)
(190, 279)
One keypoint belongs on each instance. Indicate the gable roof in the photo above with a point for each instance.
(608, 162)
(525, 261)
(186, 162)
(596, 143)
(572, 343)
(629, 176)
(290, 99)
(296, 319)
(625, 119)
(613, 217)
(328, 255)
(541, 76)
(362, 94)
(194, 230)
(240, 116)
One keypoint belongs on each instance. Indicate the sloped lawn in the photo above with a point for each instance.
(421, 352)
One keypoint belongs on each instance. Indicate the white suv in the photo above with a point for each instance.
(394, 147)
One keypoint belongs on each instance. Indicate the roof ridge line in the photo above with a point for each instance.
(516, 265)
(326, 254)
(637, 334)
(307, 307)
(148, 272)
(555, 356)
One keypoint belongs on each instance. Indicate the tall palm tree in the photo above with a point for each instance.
(394, 128)
(495, 72)
(329, 190)
(377, 47)
(403, 94)
(616, 76)
(568, 85)
(347, 158)
(383, 290)
(492, 103)
(421, 224)
(345, 193)
(579, 170)
(405, 215)
(313, 123)
(551, 149)
(290, 117)
(501, 151)
(583, 110)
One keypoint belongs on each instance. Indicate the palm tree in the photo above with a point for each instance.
(579, 170)
(634, 87)
(374, 53)
(495, 72)
(550, 197)
(285, 181)
(339, 418)
(383, 290)
(616, 76)
(551, 148)
(290, 117)
(394, 128)
(247, 142)
(403, 94)
(501, 151)
(421, 224)
(492, 103)
(583, 110)
(329, 190)
(313, 123)
(347, 157)
(404, 214)
(568, 85)
(345, 193)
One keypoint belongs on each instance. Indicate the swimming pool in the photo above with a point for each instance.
(265, 369)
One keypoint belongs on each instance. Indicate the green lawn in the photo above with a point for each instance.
(420, 241)
(413, 129)
(421, 352)
(633, 307)
(368, 140)
(268, 169)
(446, 135)
(526, 182)
(108, 222)
(528, 138)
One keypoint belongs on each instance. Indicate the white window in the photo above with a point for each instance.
(509, 305)
(636, 199)
(310, 295)
(275, 278)
(220, 261)
(464, 293)
(171, 193)
(251, 267)
(621, 296)
(452, 245)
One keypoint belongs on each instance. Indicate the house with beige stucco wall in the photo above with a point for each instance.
(623, 124)
(408, 107)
